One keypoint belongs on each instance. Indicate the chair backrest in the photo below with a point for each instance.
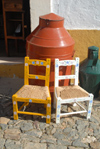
(36, 62)
(66, 63)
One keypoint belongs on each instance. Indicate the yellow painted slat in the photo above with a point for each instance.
(37, 62)
(47, 72)
(24, 104)
(26, 71)
(31, 100)
(40, 77)
(31, 113)
(49, 93)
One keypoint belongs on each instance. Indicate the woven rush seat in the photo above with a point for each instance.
(66, 92)
(32, 91)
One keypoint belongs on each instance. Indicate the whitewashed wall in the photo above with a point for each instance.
(38, 8)
(78, 14)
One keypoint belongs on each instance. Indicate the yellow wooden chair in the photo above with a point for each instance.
(28, 93)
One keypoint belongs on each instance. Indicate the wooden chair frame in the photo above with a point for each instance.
(58, 101)
(26, 101)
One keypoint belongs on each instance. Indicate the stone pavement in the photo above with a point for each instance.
(31, 132)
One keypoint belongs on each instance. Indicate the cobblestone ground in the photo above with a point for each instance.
(31, 132)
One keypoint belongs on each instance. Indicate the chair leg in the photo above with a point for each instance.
(90, 106)
(54, 102)
(15, 107)
(48, 110)
(58, 109)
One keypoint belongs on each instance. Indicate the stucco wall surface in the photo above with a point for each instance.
(12, 71)
(38, 8)
(78, 14)
(84, 39)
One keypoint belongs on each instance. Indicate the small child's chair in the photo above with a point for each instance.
(32, 93)
(70, 94)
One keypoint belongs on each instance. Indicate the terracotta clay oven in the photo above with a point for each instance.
(50, 40)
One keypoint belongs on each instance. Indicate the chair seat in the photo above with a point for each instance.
(32, 91)
(67, 92)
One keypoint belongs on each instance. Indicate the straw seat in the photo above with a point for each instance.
(66, 92)
(33, 91)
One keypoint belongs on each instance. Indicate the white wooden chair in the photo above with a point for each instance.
(71, 94)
